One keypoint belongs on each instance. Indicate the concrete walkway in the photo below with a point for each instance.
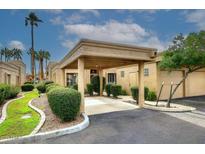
(99, 105)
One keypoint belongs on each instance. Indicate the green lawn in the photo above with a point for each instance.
(14, 125)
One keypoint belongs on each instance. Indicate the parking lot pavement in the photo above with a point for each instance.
(135, 126)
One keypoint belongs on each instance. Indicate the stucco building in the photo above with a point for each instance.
(104, 60)
(12, 72)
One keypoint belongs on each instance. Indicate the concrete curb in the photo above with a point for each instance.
(50, 134)
(42, 114)
(174, 108)
(4, 110)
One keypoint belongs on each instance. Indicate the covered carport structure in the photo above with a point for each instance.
(91, 54)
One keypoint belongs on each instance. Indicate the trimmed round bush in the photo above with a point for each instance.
(27, 87)
(135, 93)
(90, 89)
(152, 96)
(95, 81)
(29, 82)
(51, 86)
(65, 103)
(41, 87)
(108, 89)
(14, 91)
(116, 90)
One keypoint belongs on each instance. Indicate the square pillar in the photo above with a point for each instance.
(81, 82)
(141, 84)
(101, 81)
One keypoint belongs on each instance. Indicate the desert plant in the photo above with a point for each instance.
(27, 87)
(65, 103)
(13, 92)
(90, 89)
(116, 90)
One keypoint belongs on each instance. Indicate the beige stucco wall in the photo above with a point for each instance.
(16, 70)
(194, 85)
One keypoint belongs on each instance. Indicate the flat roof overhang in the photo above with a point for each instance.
(104, 55)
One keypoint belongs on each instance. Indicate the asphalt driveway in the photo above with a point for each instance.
(135, 126)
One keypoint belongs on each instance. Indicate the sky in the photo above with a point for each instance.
(62, 29)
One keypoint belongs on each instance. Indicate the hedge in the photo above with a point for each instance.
(135, 93)
(90, 89)
(41, 87)
(48, 82)
(7, 92)
(95, 81)
(116, 90)
(52, 86)
(65, 103)
(27, 87)
(123, 92)
(108, 89)
(74, 86)
(29, 82)
(152, 96)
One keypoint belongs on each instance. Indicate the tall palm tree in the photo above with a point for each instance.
(40, 57)
(7, 54)
(47, 58)
(32, 20)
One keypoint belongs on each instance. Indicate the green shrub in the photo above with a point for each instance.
(27, 87)
(152, 96)
(2, 93)
(135, 93)
(41, 87)
(14, 91)
(116, 90)
(51, 86)
(95, 81)
(74, 86)
(65, 103)
(146, 92)
(48, 82)
(90, 89)
(7, 92)
(108, 89)
(123, 92)
(29, 82)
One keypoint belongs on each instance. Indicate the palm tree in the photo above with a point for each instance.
(47, 57)
(7, 54)
(32, 20)
(2, 52)
(40, 57)
(17, 54)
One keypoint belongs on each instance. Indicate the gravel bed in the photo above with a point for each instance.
(52, 122)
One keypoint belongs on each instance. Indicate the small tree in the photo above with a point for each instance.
(185, 53)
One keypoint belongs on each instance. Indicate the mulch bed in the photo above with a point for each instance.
(52, 122)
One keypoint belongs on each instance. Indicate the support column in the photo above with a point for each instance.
(141, 84)
(101, 81)
(81, 82)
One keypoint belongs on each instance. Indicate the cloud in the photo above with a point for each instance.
(57, 21)
(115, 31)
(69, 44)
(53, 11)
(197, 17)
(16, 44)
(94, 12)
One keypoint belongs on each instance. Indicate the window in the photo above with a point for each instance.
(71, 79)
(17, 80)
(122, 74)
(146, 72)
(8, 78)
(111, 77)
